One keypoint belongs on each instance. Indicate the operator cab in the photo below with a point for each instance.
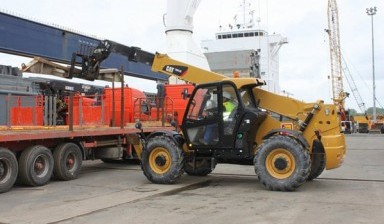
(221, 121)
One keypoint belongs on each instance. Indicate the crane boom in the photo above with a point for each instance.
(338, 93)
(338, 64)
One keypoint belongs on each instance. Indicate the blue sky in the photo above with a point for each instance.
(304, 62)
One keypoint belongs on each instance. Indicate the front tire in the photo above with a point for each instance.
(8, 170)
(35, 166)
(162, 161)
(282, 164)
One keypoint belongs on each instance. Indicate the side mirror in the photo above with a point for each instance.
(174, 124)
(185, 94)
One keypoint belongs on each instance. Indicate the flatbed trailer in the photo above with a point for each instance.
(33, 148)
(18, 136)
(32, 155)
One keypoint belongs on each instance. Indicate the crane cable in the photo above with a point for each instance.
(362, 79)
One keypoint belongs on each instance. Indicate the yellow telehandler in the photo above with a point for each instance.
(288, 141)
(233, 120)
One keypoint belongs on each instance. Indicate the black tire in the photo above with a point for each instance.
(68, 159)
(203, 167)
(8, 170)
(35, 166)
(282, 164)
(318, 160)
(162, 160)
(318, 163)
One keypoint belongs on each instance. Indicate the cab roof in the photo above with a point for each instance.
(242, 82)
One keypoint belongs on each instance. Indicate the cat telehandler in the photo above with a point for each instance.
(287, 141)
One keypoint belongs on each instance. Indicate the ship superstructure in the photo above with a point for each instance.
(245, 36)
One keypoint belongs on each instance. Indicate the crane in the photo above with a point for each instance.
(336, 77)
(339, 66)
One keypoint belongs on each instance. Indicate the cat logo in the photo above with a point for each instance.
(175, 69)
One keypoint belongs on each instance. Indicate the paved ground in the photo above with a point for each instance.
(119, 193)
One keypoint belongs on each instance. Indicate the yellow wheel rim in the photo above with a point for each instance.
(280, 163)
(160, 160)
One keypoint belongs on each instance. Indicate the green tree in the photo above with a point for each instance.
(379, 111)
(352, 112)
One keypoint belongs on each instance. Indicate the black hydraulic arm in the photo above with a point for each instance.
(90, 64)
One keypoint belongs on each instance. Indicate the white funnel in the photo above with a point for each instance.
(178, 23)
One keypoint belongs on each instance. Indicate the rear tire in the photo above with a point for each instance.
(282, 164)
(8, 170)
(203, 167)
(68, 159)
(317, 166)
(318, 160)
(162, 160)
(35, 166)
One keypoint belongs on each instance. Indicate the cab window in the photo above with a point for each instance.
(204, 104)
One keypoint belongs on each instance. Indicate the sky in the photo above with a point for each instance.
(304, 61)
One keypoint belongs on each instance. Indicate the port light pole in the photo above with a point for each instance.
(371, 12)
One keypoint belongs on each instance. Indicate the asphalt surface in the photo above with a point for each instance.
(119, 193)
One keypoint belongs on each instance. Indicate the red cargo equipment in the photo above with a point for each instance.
(26, 110)
(176, 97)
(88, 110)
(130, 96)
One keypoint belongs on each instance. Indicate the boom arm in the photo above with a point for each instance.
(166, 65)
(90, 65)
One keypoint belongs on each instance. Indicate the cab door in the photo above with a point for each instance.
(231, 115)
(208, 123)
(201, 123)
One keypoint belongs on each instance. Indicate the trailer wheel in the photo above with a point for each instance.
(68, 159)
(282, 164)
(202, 168)
(35, 166)
(162, 160)
(8, 170)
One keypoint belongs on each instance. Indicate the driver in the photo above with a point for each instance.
(229, 106)
(210, 133)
